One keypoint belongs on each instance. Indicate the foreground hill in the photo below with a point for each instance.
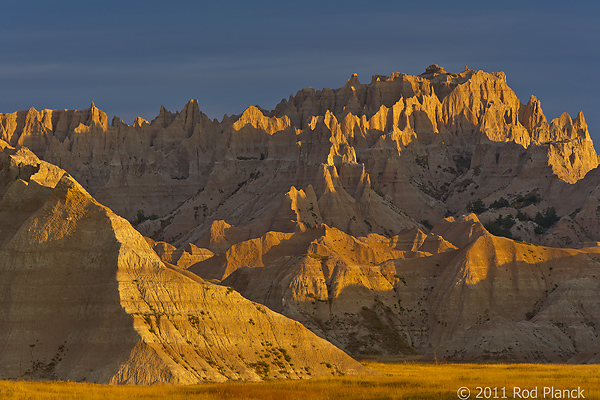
(85, 298)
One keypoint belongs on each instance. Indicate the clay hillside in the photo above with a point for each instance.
(433, 214)
(85, 298)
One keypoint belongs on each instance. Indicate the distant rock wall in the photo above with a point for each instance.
(409, 148)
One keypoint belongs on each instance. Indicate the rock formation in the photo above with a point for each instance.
(492, 298)
(365, 158)
(85, 298)
(431, 214)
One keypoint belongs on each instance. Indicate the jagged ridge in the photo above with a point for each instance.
(434, 142)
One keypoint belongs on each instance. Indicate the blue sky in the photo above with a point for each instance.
(129, 57)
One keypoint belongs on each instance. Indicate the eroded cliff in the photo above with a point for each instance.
(376, 157)
(85, 298)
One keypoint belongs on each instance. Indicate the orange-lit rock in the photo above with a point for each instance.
(86, 299)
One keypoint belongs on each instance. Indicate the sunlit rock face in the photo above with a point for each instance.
(85, 298)
(371, 213)
(365, 158)
(457, 293)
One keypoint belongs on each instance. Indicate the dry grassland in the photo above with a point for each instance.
(397, 381)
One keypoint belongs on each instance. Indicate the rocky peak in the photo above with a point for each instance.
(432, 71)
(253, 116)
(190, 115)
(139, 122)
(416, 140)
(116, 121)
(532, 117)
(96, 118)
(353, 81)
(164, 118)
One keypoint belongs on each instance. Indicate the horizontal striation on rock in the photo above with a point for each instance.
(85, 298)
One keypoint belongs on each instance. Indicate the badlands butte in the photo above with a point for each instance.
(433, 215)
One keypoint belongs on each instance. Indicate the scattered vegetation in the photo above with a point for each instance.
(384, 334)
(401, 278)
(476, 206)
(318, 257)
(285, 354)
(501, 226)
(262, 368)
(500, 203)
(141, 217)
(462, 162)
(462, 185)
(527, 200)
(521, 216)
(422, 162)
(427, 224)
(545, 219)
(45, 370)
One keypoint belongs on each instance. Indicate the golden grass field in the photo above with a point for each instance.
(398, 381)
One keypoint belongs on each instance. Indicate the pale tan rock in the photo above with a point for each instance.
(427, 144)
(324, 241)
(493, 298)
(86, 298)
(191, 255)
(460, 232)
(315, 209)
(253, 117)
(399, 150)
(536, 305)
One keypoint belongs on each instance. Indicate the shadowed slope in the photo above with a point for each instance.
(85, 298)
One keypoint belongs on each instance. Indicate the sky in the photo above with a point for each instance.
(130, 57)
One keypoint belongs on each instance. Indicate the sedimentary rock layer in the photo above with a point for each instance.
(85, 298)
(365, 158)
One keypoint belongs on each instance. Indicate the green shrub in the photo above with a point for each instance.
(427, 224)
(547, 218)
(528, 199)
(476, 206)
(500, 203)
(501, 226)
(141, 217)
(521, 216)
